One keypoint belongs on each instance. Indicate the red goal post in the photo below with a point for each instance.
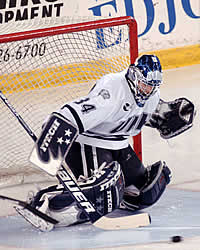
(43, 69)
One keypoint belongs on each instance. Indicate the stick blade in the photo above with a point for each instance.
(125, 222)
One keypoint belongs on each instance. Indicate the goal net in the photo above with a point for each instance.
(43, 69)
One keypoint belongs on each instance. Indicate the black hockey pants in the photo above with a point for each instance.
(83, 158)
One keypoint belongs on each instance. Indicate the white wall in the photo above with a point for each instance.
(161, 23)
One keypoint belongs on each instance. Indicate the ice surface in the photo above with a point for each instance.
(176, 213)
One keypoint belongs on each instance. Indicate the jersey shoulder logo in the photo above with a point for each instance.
(127, 106)
(105, 94)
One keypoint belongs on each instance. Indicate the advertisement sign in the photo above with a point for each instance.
(161, 23)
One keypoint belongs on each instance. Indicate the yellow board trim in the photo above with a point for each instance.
(62, 75)
(178, 57)
(170, 58)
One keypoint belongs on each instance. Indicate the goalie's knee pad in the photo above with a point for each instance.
(158, 176)
(104, 189)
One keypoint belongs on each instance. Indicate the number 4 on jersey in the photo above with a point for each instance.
(86, 108)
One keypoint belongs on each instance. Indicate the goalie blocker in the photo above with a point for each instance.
(53, 144)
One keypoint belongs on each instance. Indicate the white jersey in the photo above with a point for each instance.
(108, 115)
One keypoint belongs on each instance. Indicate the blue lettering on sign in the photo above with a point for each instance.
(101, 43)
(129, 8)
(150, 13)
(171, 16)
(149, 10)
(97, 9)
(187, 8)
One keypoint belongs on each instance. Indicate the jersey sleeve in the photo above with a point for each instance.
(89, 111)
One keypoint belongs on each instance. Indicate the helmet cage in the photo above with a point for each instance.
(141, 87)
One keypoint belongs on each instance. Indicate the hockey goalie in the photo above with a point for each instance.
(92, 134)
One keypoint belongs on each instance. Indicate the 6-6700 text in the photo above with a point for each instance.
(21, 52)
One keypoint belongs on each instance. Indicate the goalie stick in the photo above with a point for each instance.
(38, 219)
(69, 184)
(45, 223)
(62, 174)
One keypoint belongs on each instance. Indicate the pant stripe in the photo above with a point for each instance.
(94, 153)
(85, 170)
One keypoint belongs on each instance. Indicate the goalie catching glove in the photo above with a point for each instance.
(104, 189)
(172, 118)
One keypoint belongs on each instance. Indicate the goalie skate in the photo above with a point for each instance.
(34, 220)
(34, 216)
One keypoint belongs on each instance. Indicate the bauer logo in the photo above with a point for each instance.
(74, 189)
(21, 10)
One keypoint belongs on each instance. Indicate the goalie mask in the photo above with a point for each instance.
(144, 78)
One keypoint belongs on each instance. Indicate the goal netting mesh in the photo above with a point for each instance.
(41, 70)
